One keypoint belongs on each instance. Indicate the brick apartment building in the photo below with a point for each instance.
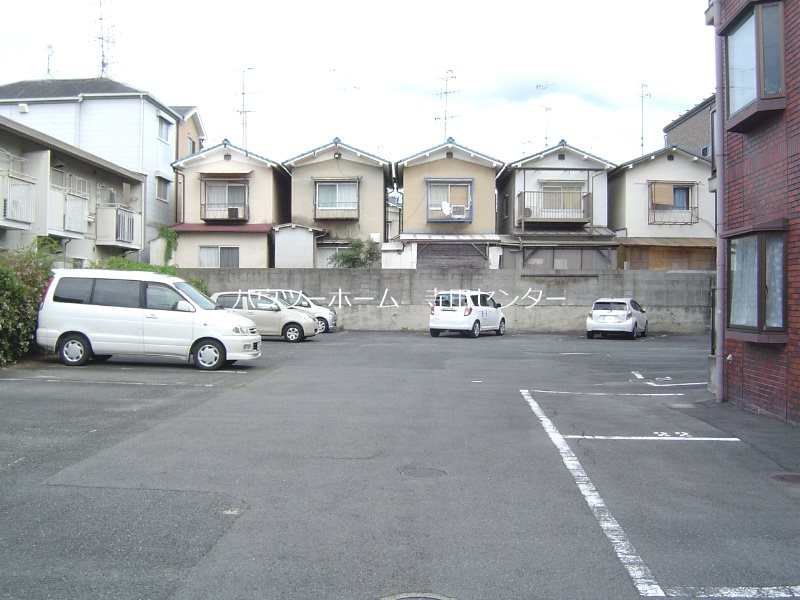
(758, 129)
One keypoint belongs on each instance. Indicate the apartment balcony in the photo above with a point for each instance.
(118, 225)
(567, 207)
(17, 194)
(224, 212)
(673, 216)
(67, 213)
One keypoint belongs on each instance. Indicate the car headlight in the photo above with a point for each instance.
(241, 330)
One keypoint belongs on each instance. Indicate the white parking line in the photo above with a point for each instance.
(639, 573)
(654, 384)
(637, 375)
(651, 438)
(602, 393)
(781, 591)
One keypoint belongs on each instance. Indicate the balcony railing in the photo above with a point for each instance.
(67, 212)
(224, 212)
(553, 207)
(341, 211)
(17, 194)
(673, 216)
(119, 225)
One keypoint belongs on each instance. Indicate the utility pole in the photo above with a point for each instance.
(444, 94)
(243, 112)
(50, 52)
(644, 94)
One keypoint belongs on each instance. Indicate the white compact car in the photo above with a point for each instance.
(616, 315)
(466, 311)
(326, 317)
(95, 313)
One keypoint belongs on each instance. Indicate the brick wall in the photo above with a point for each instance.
(762, 184)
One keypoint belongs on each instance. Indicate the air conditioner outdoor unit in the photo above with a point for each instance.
(234, 212)
(459, 211)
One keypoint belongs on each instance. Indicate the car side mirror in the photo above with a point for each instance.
(497, 305)
(183, 306)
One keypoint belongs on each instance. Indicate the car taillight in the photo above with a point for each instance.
(467, 311)
(628, 315)
(432, 305)
(44, 292)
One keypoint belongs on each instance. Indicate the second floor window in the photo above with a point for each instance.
(449, 200)
(163, 129)
(225, 200)
(672, 202)
(162, 189)
(338, 195)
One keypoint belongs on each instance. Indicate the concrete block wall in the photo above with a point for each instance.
(397, 300)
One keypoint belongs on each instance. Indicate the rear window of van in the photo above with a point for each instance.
(103, 292)
(75, 290)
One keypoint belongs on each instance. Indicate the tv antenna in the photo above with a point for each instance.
(105, 41)
(546, 113)
(444, 94)
(50, 52)
(644, 94)
(243, 111)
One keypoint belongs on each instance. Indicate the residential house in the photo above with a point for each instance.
(189, 131)
(758, 143)
(339, 193)
(692, 130)
(91, 207)
(553, 212)
(127, 126)
(662, 212)
(229, 200)
(448, 210)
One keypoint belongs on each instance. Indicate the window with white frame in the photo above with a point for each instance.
(225, 200)
(449, 200)
(163, 129)
(562, 197)
(755, 61)
(337, 195)
(210, 257)
(162, 188)
(757, 281)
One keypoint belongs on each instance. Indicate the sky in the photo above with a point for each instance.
(512, 77)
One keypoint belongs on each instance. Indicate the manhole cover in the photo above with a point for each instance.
(421, 473)
(790, 478)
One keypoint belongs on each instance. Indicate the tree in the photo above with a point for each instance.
(357, 254)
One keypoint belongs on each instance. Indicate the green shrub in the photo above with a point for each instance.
(357, 254)
(23, 276)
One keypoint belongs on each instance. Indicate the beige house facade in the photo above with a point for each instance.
(229, 200)
(340, 192)
(448, 210)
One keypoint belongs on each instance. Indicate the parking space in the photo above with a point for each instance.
(372, 465)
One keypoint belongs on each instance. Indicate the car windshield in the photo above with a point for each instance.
(196, 296)
(610, 306)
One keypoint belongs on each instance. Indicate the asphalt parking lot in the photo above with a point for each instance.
(373, 466)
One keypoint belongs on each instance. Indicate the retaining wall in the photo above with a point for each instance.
(395, 299)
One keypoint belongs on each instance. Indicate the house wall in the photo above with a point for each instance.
(630, 204)
(761, 185)
(397, 299)
(253, 249)
(415, 196)
(185, 131)
(371, 197)
(692, 134)
(59, 120)
(262, 187)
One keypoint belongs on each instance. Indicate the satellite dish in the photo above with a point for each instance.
(446, 208)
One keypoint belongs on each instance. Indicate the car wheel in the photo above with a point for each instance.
(292, 332)
(100, 357)
(435, 332)
(644, 333)
(476, 329)
(74, 350)
(322, 325)
(634, 332)
(590, 335)
(209, 355)
(501, 329)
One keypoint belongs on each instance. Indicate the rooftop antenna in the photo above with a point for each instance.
(243, 110)
(105, 40)
(444, 94)
(644, 94)
(50, 52)
(546, 113)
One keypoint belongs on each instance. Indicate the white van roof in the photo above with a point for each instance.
(112, 274)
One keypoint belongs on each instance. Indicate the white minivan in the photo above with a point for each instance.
(94, 314)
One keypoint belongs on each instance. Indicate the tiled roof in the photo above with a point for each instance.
(64, 88)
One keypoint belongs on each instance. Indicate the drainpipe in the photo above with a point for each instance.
(720, 292)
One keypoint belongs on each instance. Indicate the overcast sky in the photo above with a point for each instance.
(523, 74)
